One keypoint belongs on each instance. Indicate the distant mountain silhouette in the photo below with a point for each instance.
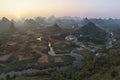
(30, 23)
(85, 21)
(90, 32)
(12, 28)
(90, 29)
(107, 24)
(55, 28)
(4, 25)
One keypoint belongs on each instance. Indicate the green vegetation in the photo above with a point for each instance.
(25, 50)
(92, 68)
(22, 65)
(85, 53)
(31, 78)
(22, 50)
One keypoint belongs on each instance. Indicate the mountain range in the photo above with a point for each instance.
(92, 27)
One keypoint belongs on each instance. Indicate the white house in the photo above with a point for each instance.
(71, 38)
(101, 55)
(39, 39)
(52, 52)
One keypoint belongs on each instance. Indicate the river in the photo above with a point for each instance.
(75, 63)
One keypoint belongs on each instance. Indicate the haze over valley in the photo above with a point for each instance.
(80, 41)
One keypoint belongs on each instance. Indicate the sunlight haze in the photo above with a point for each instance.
(83, 8)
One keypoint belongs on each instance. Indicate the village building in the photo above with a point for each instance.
(71, 38)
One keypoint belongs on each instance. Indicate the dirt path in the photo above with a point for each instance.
(4, 58)
(21, 58)
(43, 58)
(58, 59)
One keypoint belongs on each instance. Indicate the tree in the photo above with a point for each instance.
(8, 77)
(114, 73)
(105, 50)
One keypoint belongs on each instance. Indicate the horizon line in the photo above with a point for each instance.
(59, 17)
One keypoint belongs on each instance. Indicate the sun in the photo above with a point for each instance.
(18, 16)
(18, 12)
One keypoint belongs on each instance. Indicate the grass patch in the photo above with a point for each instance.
(31, 78)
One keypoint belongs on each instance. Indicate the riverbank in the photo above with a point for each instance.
(33, 70)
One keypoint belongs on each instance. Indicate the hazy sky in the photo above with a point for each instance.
(82, 8)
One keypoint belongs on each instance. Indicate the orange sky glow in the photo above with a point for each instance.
(84, 8)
